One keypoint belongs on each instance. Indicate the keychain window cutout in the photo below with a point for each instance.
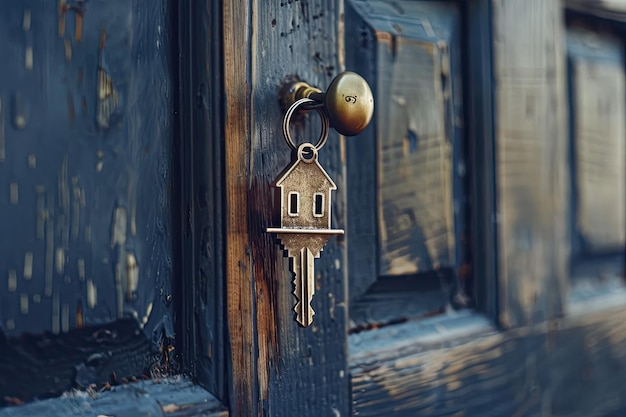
(294, 203)
(318, 205)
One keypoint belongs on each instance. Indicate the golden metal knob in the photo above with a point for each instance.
(348, 102)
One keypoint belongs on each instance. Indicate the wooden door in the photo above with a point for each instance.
(138, 146)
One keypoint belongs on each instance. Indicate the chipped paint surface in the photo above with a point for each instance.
(28, 58)
(14, 193)
(12, 280)
(85, 128)
(28, 265)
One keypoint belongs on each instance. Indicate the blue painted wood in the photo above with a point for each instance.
(85, 209)
(85, 175)
(166, 397)
(461, 366)
(390, 224)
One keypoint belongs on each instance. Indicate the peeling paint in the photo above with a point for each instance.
(24, 303)
(147, 315)
(68, 49)
(28, 58)
(12, 280)
(14, 193)
(118, 229)
(26, 20)
(60, 260)
(92, 294)
(107, 95)
(19, 110)
(132, 276)
(28, 265)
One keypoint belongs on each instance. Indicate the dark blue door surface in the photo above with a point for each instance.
(86, 128)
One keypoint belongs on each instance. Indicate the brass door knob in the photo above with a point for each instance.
(348, 101)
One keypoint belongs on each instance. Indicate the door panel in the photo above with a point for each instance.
(531, 160)
(417, 128)
(598, 115)
(413, 51)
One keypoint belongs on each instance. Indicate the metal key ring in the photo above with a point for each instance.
(323, 116)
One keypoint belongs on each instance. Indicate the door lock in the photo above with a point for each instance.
(348, 102)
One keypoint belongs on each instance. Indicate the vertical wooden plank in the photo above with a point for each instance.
(531, 159)
(199, 194)
(243, 387)
(279, 368)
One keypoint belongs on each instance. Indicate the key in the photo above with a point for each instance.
(302, 266)
(305, 202)
(304, 283)
(305, 195)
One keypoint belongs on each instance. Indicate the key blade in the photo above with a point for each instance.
(304, 286)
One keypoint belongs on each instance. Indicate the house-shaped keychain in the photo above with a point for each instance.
(305, 203)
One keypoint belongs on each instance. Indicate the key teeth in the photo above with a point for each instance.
(299, 308)
(302, 318)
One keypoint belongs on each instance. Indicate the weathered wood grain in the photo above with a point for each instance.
(531, 159)
(243, 386)
(171, 397)
(599, 150)
(46, 365)
(279, 368)
(614, 10)
(461, 367)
